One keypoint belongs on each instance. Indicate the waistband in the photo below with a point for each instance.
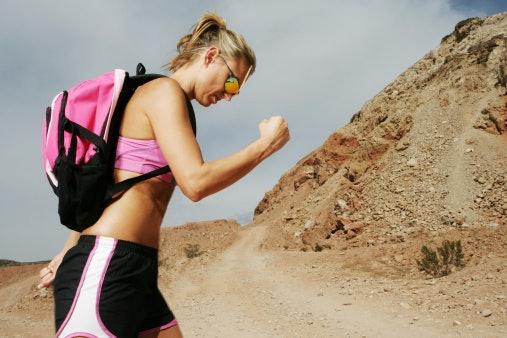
(120, 244)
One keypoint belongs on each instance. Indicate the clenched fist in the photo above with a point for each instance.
(275, 132)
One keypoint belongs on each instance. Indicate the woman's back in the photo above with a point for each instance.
(138, 213)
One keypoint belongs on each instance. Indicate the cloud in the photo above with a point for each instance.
(479, 8)
(317, 64)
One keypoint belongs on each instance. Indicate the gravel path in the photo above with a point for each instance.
(250, 293)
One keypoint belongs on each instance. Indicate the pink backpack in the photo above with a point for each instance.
(79, 139)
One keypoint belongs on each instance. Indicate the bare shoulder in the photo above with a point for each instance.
(160, 99)
(162, 90)
(164, 103)
(163, 99)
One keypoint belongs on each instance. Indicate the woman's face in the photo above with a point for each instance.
(210, 84)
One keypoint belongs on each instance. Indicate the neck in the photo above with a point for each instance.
(185, 79)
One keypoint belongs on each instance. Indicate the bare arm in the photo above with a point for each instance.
(166, 110)
(47, 273)
(216, 175)
(71, 240)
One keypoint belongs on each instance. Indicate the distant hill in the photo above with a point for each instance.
(7, 262)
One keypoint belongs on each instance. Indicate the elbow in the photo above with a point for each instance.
(193, 186)
(194, 197)
(192, 192)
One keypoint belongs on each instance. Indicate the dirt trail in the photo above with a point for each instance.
(251, 293)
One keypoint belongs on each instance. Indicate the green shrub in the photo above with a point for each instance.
(192, 250)
(450, 253)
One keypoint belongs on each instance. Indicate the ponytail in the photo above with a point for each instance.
(211, 30)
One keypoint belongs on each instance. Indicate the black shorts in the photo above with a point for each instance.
(105, 287)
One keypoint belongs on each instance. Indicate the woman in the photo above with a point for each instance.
(105, 279)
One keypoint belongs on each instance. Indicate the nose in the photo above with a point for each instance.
(228, 96)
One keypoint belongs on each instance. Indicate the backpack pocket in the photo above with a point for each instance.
(81, 191)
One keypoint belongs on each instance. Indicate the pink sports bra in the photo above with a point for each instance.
(141, 156)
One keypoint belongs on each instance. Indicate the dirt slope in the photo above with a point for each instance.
(426, 154)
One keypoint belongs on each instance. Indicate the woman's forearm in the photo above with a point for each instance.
(219, 174)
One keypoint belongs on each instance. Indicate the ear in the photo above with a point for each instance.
(210, 55)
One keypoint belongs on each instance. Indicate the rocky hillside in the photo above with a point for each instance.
(426, 155)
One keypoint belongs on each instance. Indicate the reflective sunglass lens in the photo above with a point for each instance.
(232, 85)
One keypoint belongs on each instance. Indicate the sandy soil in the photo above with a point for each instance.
(249, 292)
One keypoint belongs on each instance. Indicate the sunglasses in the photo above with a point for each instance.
(232, 83)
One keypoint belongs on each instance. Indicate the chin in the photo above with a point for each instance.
(204, 104)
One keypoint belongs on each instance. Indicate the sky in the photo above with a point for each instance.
(317, 64)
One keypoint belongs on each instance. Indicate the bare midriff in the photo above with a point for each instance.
(137, 215)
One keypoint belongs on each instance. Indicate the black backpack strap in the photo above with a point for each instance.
(128, 183)
(191, 114)
(61, 122)
(138, 80)
(77, 129)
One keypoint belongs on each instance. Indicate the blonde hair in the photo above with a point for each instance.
(209, 31)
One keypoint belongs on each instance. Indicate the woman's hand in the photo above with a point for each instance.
(47, 274)
(275, 131)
